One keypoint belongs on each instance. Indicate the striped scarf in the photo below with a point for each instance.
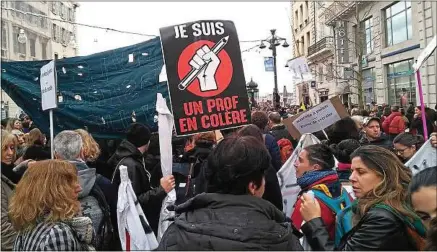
(311, 177)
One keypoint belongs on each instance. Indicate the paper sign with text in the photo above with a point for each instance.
(48, 86)
(205, 76)
(317, 118)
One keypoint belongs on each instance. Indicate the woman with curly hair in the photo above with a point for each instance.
(382, 216)
(44, 207)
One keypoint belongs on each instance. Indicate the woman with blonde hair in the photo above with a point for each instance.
(14, 123)
(9, 154)
(383, 219)
(35, 146)
(91, 149)
(44, 207)
(9, 178)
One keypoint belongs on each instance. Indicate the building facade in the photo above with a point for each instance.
(46, 38)
(388, 36)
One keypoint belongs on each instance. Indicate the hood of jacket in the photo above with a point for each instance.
(382, 138)
(228, 222)
(198, 152)
(87, 177)
(278, 127)
(125, 149)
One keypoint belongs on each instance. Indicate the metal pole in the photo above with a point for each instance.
(275, 91)
(51, 133)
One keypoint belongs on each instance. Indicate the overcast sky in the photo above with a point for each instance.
(253, 21)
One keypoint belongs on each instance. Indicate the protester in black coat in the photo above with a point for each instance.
(234, 217)
(130, 153)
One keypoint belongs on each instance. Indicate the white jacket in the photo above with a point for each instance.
(132, 223)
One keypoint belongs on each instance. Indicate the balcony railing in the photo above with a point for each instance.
(324, 43)
(336, 10)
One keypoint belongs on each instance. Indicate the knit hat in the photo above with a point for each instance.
(138, 134)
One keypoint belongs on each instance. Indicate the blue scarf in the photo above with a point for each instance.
(311, 177)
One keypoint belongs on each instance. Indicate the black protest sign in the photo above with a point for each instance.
(205, 76)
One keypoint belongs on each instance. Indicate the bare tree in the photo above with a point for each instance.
(360, 12)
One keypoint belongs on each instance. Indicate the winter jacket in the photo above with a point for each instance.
(8, 234)
(229, 222)
(382, 141)
(394, 124)
(71, 235)
(417, 125)
(150, 198)
(280, 131)
(273, 148)
(379, 229)
(8, 172)
(37, 152)
(87, 179)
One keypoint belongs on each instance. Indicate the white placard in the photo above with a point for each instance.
(423, 56)
(299, 69)
(424, 158)
(317, 118)
(48, 86)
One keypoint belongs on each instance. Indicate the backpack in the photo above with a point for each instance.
(285, 149)
(185, 180)
(343, 214)
(97, 209)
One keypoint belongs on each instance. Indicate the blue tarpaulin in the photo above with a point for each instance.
(100, 92)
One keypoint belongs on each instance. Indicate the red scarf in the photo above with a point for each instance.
(344, 166)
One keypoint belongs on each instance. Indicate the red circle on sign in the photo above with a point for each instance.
(223, 74)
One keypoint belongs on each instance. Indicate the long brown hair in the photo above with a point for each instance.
(45, 191)
(34, 136)
(395, 178)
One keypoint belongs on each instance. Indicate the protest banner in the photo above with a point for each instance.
(205, 76)
(48, 82)
(424, 158)
(317, 118)
(287, 174)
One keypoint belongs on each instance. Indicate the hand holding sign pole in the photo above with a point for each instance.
(204, 64)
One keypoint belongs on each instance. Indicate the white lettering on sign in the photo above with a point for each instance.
(317, 118)
(200, 29)
(48, 86)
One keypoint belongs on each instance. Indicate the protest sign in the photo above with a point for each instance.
(48, 86)
(205, 76)
(316, 118)
(287, 174)
(424, 158)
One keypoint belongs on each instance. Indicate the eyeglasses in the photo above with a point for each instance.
(399, 151)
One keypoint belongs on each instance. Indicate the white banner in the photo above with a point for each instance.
(287, 174)
(425, 157)
(165, 128)
(299, 69)
(48, 86)
(317, 118)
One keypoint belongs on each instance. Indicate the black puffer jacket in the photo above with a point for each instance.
(379, 229)
(150, 198)
(383, 141)
(229, 222)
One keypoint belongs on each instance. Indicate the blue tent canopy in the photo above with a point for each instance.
(100, 92)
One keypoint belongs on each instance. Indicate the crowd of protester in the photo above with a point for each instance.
(228, 193)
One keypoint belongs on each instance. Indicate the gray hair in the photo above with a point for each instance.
(67, 145)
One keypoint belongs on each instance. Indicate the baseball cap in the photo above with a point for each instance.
(367, 120)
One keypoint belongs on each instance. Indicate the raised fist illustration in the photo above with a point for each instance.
(205, 57)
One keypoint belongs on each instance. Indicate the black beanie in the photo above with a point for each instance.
(138, 134)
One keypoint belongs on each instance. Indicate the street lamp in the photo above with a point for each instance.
(274, 41)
